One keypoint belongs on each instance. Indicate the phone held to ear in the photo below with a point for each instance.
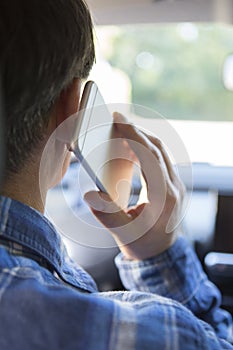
(100, 149)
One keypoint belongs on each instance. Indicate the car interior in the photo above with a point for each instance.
(172, 61)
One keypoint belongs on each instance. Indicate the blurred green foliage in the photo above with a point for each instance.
(176, 69)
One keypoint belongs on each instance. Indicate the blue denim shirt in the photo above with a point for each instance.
(48, 302)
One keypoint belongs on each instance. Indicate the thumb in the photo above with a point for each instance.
(105, 210)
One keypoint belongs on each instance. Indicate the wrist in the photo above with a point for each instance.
(143, 249)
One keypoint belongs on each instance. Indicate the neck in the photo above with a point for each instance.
(24, 187)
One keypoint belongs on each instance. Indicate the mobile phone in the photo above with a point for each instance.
(99, 148)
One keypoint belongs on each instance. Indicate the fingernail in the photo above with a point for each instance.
(119, 118)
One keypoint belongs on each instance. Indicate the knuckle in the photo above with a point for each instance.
(176, 194)
(172, 200)
(157, 154)
(181, 188)
(159, 143)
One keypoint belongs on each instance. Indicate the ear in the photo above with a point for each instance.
(67, 103)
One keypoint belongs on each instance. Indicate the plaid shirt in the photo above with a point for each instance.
(48, 302)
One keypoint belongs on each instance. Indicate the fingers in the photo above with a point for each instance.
(130, 132)
(154, 166)
(174, 176)
(165, 155)
(157, 143)
(106, 211)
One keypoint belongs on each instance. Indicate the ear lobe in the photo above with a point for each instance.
(67, 103)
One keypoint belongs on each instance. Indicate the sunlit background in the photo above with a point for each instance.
(176, 70)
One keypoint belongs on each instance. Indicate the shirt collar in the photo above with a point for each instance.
(26, 226)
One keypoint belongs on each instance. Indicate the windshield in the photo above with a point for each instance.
(176, 70)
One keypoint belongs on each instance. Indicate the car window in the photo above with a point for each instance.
(176, 70)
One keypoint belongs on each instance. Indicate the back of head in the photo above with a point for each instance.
(44, 45)
(2, 139)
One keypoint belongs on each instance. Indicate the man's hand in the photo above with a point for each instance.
(149, 228)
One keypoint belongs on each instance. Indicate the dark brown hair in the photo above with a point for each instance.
(44, 44)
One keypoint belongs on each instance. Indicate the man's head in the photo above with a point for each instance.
(44, 45)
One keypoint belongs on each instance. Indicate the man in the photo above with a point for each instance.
(46, 301)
